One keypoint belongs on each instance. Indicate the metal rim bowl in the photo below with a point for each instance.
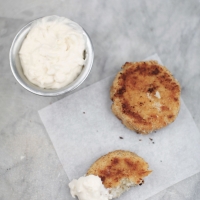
(17, 70)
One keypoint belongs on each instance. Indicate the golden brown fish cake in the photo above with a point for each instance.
(145, 96)
(120, 165)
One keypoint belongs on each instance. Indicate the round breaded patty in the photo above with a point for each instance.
(120, 165)
(145, 96)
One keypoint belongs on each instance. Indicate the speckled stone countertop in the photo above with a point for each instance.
(121, 31)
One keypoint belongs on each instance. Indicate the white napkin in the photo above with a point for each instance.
(82, 128)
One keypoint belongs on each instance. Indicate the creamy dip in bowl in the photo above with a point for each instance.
(51, 56)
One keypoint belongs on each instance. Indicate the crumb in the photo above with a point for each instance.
(151, 139)
(142, 182)
(140, 140)
(154, 131)
(97, 130)
(161, 161)
(83, 112)
(121, 138)
(153, 142)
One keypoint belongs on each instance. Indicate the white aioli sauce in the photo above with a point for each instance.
(52, 53)
(89, 188)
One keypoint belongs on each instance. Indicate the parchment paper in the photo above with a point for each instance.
(82, 128)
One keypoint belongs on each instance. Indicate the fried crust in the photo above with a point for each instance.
(145, 96)
(118, 165)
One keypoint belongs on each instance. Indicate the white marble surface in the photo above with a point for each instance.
(121, 31)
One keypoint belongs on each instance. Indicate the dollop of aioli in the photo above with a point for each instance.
(89, 188)
(52, 53)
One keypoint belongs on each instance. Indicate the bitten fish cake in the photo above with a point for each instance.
(119, 170)
(145, 95)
